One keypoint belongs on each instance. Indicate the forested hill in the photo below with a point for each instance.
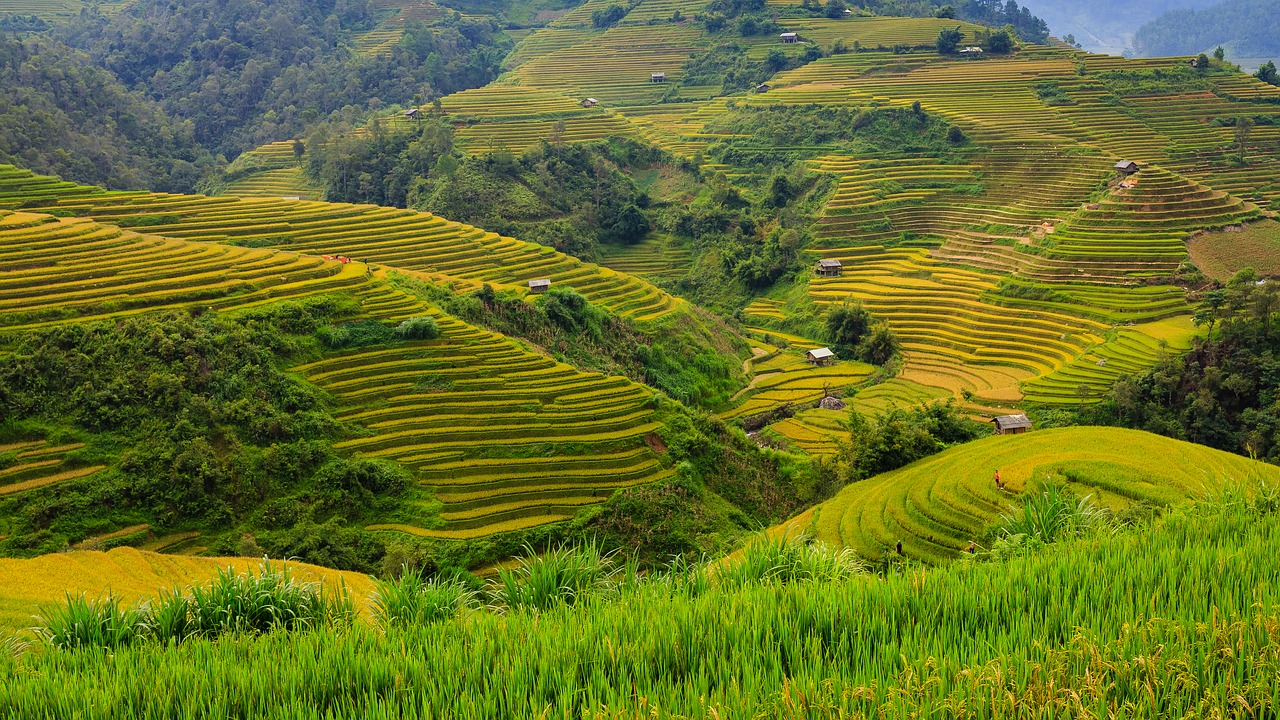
(62, 115)
(1246, 28)
(244, 72)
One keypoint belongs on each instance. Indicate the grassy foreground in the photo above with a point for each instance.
(1176, 619)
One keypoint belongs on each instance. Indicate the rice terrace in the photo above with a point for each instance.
(639, 358)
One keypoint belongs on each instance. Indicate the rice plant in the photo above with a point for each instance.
(562, 575)
(262, 601)
(1053, 514)
(412, 599)
(788, 560)
(254, 602)
(83, 623)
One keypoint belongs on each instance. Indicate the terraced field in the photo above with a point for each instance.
(283, 183)
(28, 586)
(30, 464)
(935, 507)
(376, 237)
(614, 66)
(785, 378)
(58, 9)
(657, 256)
(505, 439)
(62, 270)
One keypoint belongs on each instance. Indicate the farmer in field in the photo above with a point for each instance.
(999, 482)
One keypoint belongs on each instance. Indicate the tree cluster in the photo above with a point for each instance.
(61, 115)
(246, 72)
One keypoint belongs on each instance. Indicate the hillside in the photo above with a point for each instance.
(29, 586)
(935, 507)
(354, 434)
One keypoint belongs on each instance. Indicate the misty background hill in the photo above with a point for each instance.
(1247, 29)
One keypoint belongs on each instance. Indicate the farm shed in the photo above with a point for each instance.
(589, 102)
(1127, 167)
(789, 37)
(830, 268)
(658, 77)
(1011, 424)
(539, 286)
(971, 50)
(412, 113)
(762, 87)
(820, 357)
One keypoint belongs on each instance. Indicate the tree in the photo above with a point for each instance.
(1244, 128)
(1201, 62)
(955, 135)
(608, 16)
(999, 42)
(1267, 73)
(835, 9)
(879, 346)
(299, 150)
(946, 12)
(1219, 54)
(847, 325)
(949, 40)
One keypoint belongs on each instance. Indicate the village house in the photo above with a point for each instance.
(1011, 424)
(820, 357)
(789, 37)
(658, 77)
(830, 268)
(1128, 167)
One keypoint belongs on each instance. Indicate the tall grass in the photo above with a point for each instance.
(412, 600)
(562, 575)
(1179, 619)
(788, 560)
(260, 601)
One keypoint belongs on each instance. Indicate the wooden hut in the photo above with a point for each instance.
(821, 357)
(537, 287)
(412, 114)
(589, 103)
(1128, 167)
(1011, 424)
(830, 268)
(789, 37)
(763, 88)
(658, 77)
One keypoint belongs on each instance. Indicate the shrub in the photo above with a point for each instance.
(949, 41)
(418, 328)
